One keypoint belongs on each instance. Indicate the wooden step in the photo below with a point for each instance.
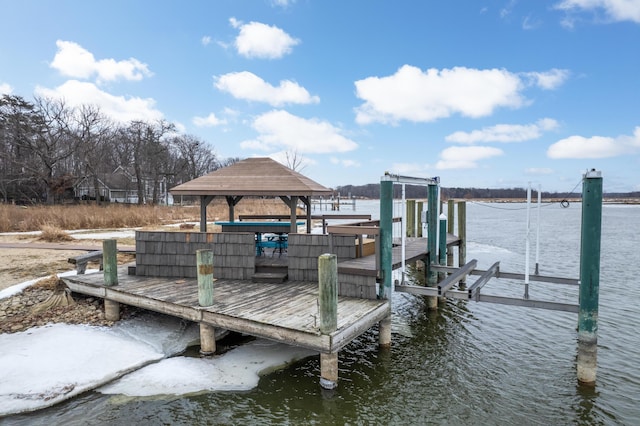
(269, 277)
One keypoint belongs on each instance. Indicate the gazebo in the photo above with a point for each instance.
(259, 176)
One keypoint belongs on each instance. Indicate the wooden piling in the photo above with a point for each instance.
(386, 239)
(420, 205)
(411, 218)
(204, 262)
(589, 277)
(328, 292)
(329, 370)
(462, 234)
(328, 312)
(442, 244)
(451, 215)
(110, 273)
(111, 310)
(207, 339)
(432, 236)
(110, 262)
(384, 332)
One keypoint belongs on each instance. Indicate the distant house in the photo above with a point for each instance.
(120, 186)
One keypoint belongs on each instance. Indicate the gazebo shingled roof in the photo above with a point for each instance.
(252, 177)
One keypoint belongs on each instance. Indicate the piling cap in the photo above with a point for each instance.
(593, 173)
(442, 216)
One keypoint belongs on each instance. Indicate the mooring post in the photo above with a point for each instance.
(462, 234)
(451, 214)
(328, 306)
(589, 276)
(442, 249)
(432, 241)
(110, 273)
(420, 206)
(386, 238)
(204, 263)
(411, 218)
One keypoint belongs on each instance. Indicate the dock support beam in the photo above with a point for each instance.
(328, 301)
(589, 277)
(204, 263)
(450, 225)
(110, 272)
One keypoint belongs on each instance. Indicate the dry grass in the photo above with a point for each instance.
(69, 217)
(53, 234)
(49, 283)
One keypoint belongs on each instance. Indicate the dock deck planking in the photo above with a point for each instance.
(415, 249)
(284, 312)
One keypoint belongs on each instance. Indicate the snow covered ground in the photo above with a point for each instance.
(43, 366)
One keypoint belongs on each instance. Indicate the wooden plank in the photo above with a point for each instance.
(345, 335)
(353, 230)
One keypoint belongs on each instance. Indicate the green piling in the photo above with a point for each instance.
(386, 238)
(589, 276)
(204, 263)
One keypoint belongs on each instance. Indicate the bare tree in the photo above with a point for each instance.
(45, 142)
(94, 132)
(193, 157)
(295, 161)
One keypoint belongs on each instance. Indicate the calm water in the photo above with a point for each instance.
(469, 363)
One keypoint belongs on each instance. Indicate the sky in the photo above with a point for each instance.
(488, 93)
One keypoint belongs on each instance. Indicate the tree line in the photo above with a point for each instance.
(47, 145)
(414, 191)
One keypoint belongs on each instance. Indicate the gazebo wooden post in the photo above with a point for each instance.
(294, 214)
(307, 202)
(204, 202)
(231, 202)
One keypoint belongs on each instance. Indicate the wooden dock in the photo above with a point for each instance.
(415, 249)
(286, 313)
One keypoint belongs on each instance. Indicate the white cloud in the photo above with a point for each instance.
(465, 157)
(258, 40)
(616, 10)
(72, 60)
(537, 171)
(414, 95)
(549, 80)
(505, 132)
(529, 23)
(279, 129)
(578, 147)
(206, 40)
(248, 86)
(344, 162)
(409, 169)
(5, 89)
(209, 121)
(282, 3)
(120, 108)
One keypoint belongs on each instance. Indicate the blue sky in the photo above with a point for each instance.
(481, 93)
